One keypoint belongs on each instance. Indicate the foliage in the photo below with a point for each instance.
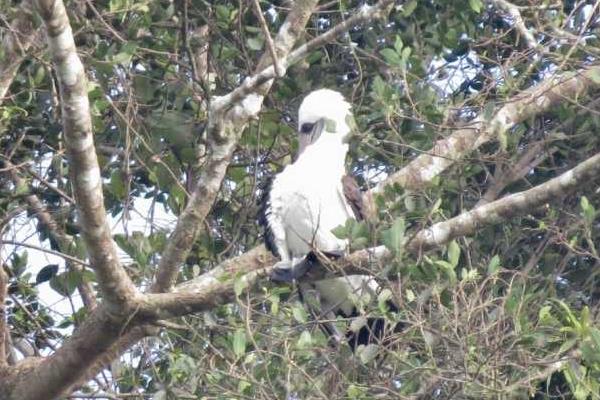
(511, 312)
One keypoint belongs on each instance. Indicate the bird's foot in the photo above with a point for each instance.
(334, 254)
(289, 271)
(313, 258)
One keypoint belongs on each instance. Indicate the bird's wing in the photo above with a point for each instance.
(263, 220)
(353, 196)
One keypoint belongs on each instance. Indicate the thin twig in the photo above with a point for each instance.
(279, 71)
(49, 251)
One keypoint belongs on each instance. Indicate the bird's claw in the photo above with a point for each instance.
(286, 271)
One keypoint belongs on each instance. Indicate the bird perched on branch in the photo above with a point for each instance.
(310, 198)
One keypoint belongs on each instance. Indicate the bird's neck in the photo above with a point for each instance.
(329, 151)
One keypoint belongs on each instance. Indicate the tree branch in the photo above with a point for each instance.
(268, 39)
(53, 375)
(58, 234)
(367, 13)
(507, 207)
(217, 286)
(118, 290)
(533, 156)
(15, 45)
(515, 14)
(568, 86)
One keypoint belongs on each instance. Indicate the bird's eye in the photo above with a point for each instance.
(306, 128)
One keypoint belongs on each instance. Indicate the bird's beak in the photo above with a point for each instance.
(306, 139)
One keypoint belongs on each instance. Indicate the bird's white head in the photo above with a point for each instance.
(323, 110)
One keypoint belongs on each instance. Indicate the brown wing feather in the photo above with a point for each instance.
(354, 197)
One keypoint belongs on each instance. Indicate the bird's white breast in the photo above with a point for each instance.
(309, 197)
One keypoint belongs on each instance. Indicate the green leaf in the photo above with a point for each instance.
(65, 283)
(493, 266)
(453, 253)
(398, 44)
(239, 285)
(390, 56)
(117, 184)
(340, 232)
(255, 43)
(379, 87)
(588, 210)
(239, 342)
(594, 75)
(19, 262)
(359, 230)
(545, 315)
(448, 270)
(393, 238)
(476, 5)
(406, 52)
(299, 313)
(305, 340)
(409, 8)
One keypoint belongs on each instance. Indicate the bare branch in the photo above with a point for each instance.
(565, 87)
(515, 13)
(533, 156)
(269, 40)
(114, 282)
(44, 250)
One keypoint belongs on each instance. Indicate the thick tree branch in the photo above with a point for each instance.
(568, 86)
(53, 375)
(14, 45)
(117, 288)
(507, 207)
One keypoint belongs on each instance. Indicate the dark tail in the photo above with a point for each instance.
(375, 331)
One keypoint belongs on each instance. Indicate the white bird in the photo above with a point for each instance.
(310, 198)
